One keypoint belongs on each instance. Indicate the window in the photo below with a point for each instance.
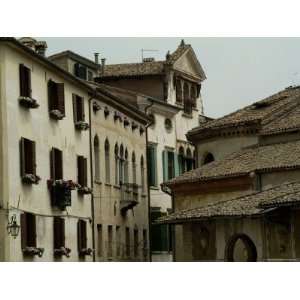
(56, 99)
(189, 160)
(168, 164)
(142, 174)
(28, 161)
(178, 91)
(126, 175)
(110, 239)
(121, 166)
(28, 230)
(80, 71)
(118, 240)
(81, 236)
(152, 169)
(187, 106)
(97, 158)
(78, 109)
(168, 124)
(127, 242)
(181, 161)
(136, 242)
(100, 240)
(82, 171)
(56, 164)
(59, 232)
(116, 164)
(25, 81)
(133, 168)
(107, 162)
(208, 158)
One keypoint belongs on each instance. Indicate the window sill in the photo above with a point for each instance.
(189, 116)
(28, 102)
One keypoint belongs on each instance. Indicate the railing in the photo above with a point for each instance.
(129, 196)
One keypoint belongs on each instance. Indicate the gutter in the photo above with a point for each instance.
(148, 187)
(92, 179)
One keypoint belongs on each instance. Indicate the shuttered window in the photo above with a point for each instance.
(127, 241)
(136, 242)
(168, 158)
(151, 161)
(27, 157)
(56, 96)
(81, 235)
(59, 232)
(171, 165)
(56, 164)
(25, 81)
(80, 71)
(82, 171)
(78, 108)
(28, 230)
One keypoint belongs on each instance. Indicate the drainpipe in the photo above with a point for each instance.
(92, 179)
(148, 187)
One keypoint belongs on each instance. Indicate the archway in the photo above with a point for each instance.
(240, 248)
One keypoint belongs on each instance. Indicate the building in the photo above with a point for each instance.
(120, 192)
(44, 158)
(241, 203)
(169, 92)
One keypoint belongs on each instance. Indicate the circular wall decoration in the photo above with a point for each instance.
(168, 124)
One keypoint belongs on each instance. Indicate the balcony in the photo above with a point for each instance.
(129, 196)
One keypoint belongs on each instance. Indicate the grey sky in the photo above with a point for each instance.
(239, 70)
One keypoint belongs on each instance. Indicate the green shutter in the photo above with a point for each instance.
(151, 160)
(165, 165)
(176, 164)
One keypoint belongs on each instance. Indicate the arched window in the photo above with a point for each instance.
(107, 161)
(116, 164)
(142, 174)
(126, 175)
(121, 165)
(133, 168)
(208, 158)
(96, 158)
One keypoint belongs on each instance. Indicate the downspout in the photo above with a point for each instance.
(148, 187)
(92, 179)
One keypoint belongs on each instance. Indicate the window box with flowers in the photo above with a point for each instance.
(81, 125)
(32, 251)
(62, 251)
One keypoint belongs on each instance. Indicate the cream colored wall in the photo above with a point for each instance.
(36, 125)
(107, 196)
(220, 147)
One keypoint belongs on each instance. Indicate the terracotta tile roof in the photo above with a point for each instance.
(144, 68)
(250, 159)
(254, 204)
(262, 113)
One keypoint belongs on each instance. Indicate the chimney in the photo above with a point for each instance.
(148, 59)
(96, 58)
(103, 65)
(40, 47)
(37, 46)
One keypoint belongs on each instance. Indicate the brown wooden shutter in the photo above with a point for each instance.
(79, 236)
(34, 157)
(28, 81)
(85, 171)
(52, 164)
(31, 230)
(22, 79)
(80, 169)
(74, 98)
(22, 157)
(61, 97)
(59, 232)
(25, 81)
(82, 109)
(59, 164)
(51, 95)
(23, 231)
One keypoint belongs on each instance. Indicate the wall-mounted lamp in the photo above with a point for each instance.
(12, 227)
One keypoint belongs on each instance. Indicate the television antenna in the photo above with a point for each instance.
(147, 50)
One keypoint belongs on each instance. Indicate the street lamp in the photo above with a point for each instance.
(12, 227)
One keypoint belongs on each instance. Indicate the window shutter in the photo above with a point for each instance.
(61, 97)
(84, 235)
(165, 164)
(33, 158)
(56, 231)
(80, 170)
(22, 157)
(51, 95)
(85, 171)
(52, 164)
(79, 236)
(82, 109)
(28, 81)
(63, 232)
(31, 230)
(23, 231)
(176, 164)
(25, 81)
(74, 97)
(59, 165)
(22, 80)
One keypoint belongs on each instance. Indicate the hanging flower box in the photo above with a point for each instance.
(28, 102)
(87, 251)
(56, 114)
(32, 251)
(62, 251)
(84, 190)
(31, 179)
(81, 125)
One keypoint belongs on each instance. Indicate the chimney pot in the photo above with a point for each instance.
(96, 58)
(103, 64)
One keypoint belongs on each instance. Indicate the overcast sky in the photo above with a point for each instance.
(239, 71)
